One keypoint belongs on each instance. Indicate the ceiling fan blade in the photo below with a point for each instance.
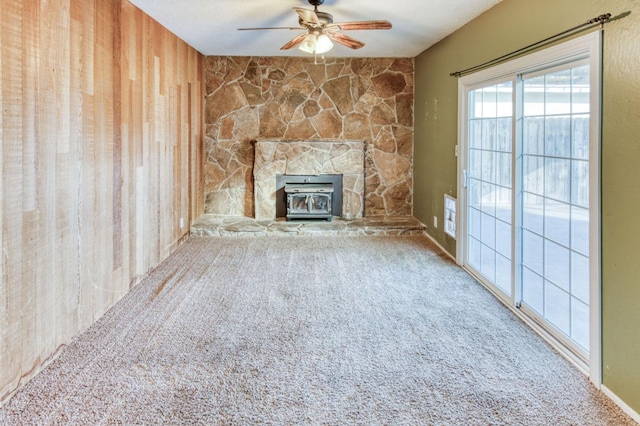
(270, 28)
(307, 16)
(294, 41)
(344, 40)
(362, 25)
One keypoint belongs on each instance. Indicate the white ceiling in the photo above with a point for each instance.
(210, 26)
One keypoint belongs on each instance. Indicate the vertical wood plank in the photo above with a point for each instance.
(30, 213)
(64, 231)
(46, 181)
(88, 191)
(117, 142)
(12, 255)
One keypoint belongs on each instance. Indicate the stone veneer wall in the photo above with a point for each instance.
(293, 99)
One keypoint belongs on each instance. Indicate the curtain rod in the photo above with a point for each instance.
(600, 20)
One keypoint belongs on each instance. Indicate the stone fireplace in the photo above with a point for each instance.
(283, 102)
(274, 158)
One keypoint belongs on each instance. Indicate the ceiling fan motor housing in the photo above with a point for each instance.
(323, 17)
(316, 3)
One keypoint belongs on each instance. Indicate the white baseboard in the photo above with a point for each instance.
(615, 398)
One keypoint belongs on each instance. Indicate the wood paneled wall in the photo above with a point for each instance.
(100, 156)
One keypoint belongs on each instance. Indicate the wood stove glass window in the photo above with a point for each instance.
(310, 203)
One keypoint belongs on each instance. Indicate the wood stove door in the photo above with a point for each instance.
(308, 205)
(320, 204)
(298, 204)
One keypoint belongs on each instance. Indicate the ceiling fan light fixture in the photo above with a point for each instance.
(316, 44)
(323, 44)
(309, 43)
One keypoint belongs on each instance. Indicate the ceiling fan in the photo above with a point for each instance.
(320, 30)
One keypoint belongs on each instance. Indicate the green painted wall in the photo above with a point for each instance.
(511, 25)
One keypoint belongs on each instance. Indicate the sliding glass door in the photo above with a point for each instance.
(530, 190)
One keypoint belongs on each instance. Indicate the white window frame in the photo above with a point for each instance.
(587, 46)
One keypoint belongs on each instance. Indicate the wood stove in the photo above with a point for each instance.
(309, 200)
(309, 196)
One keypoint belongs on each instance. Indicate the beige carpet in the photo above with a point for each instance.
(310, 330)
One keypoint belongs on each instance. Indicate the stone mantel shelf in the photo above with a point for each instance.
(313, 157)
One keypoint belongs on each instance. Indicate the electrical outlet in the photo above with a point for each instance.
(435, 221)
(181, 222)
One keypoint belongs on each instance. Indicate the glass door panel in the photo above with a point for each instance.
(555, 202)
(489, 228)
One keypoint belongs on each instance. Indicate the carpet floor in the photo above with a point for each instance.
(310, 330)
